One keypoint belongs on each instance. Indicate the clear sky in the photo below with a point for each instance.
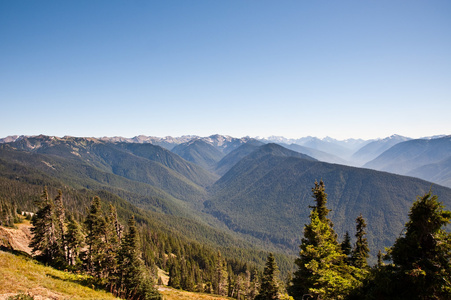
(360, 69)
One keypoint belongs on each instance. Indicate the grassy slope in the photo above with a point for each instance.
(23, 275)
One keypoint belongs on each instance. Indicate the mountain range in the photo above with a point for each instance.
(240, 192)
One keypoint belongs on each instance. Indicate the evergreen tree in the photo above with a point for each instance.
(379, 259)
(174, 275)
(95, 239)
(346, 247)
(74, 241)
(319, 193)
(422, 257)
(269, 288)
(7, 214)
(115, 226)
(45, 230)
(133, 281)
(112, 235)
(60, 216)
(187, 276)
(254, 285)
(220, 281)
(322, 271)
(360, 253)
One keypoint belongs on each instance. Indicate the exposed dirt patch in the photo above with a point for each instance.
(16, 239)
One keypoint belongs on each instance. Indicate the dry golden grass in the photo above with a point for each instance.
(22, 275)
(171, 294)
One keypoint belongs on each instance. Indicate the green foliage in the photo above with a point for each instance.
(75, 241)
(269, 288)
(47, 231)
(346, 247)
(8, 214)
(132, 280)
(322, 269)
(95, 226)
(200, 153)
(319, 193)
(165, 194)
(423, 255)
(360, 253)
(220, 276)
(265, 195)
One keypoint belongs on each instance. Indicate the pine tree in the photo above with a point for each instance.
(269, 288)
(319, 193)
(422, 257)
(174, 275)
(220, 281)
(95, 239)
(112, 236)
(322, 271)
(254, 285)
(45, 242)
(360, 253)
(60, 216)
(7, 214)
(346, 247)
(74, 240)
(133, 281)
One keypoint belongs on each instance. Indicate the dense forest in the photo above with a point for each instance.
(250, 227)
(124, 259)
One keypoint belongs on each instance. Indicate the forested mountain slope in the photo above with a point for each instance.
(408, 158)
(268, 193)
(91, 159)
(263, 196)
(191, 171)
(87, 167)
(439, 172)
(21, 184)
(200, 153)
(235, 156)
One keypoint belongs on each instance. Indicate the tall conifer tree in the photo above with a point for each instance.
(95, 238)
(133, 280)
(346, 247)
(45, 231)
(112, 236)
(360, 253)
(319, 193)
(220, 281)
(269, 288)
(74, 240)
(422, 257)
(322, 271)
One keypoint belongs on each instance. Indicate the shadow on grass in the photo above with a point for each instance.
(15, 252)
(83, 280)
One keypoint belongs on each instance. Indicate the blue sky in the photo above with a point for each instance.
(344, 69)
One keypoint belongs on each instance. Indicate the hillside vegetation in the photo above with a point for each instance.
(209, 230)
(21, 275)
(266, 195)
